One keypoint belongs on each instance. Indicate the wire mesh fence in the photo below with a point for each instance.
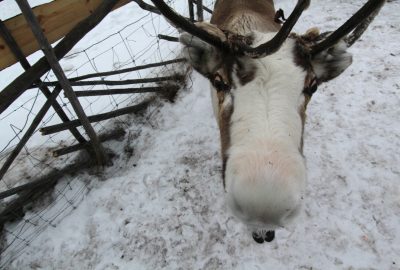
(126, 45)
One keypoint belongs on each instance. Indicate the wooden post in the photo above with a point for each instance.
(191, 10)
(204, 7)
(95, 118)
(200, 16)
(19, 55)
(55, 66)
(25, 80)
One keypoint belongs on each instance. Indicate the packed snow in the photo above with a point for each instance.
(161, 205)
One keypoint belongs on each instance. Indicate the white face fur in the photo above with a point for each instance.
(264, 169)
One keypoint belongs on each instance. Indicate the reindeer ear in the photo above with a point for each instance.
(204, 58)
(331, 62)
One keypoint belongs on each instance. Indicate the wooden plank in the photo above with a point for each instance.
(25, 80)
(56, 19)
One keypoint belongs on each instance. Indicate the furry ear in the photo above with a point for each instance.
(332, 62)
(205, 58)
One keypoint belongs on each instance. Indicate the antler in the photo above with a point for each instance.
(359, 22)
(235, 47)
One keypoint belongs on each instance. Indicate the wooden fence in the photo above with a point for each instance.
(39, 28)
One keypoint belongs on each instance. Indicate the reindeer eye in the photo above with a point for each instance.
(221, 85)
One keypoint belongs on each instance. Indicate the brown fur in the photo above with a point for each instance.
(225, 114)
(259, 14)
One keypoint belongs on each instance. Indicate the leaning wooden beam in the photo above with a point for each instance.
(204, 7)
(113, 135)
(147, 7)
(125, 70)
(169, 38)
(59, 73)
(122, 91)
(17, 52)
(96, 118)
(25, 80)
(35, 123)
(121, 82)
(57, 18)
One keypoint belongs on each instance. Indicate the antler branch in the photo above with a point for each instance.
(184, 24)
(236, 48)
(276, 42)
(359, 21)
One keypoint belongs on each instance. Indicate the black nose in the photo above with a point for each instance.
(269, 236)
(258, 238)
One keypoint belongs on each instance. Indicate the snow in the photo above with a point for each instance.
(9, 8)
(163, 207)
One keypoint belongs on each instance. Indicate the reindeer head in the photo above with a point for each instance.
(263, 80)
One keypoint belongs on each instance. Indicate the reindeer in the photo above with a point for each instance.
(262, 78)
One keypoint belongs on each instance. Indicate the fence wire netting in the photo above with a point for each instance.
(114, 45)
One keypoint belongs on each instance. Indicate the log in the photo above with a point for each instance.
(25, 80)
(89, 93)
(125, 70)
(121, 82)
(169, 38)
(56, 18)
(113, 135)
(96, 118)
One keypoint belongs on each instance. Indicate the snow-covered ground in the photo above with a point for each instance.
(163, 207)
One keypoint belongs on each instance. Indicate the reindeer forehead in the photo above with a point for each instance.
(244, 69)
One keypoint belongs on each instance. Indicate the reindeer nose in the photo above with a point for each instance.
(262, 236)
(269, 236)
(220, 85)
(258, 237)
